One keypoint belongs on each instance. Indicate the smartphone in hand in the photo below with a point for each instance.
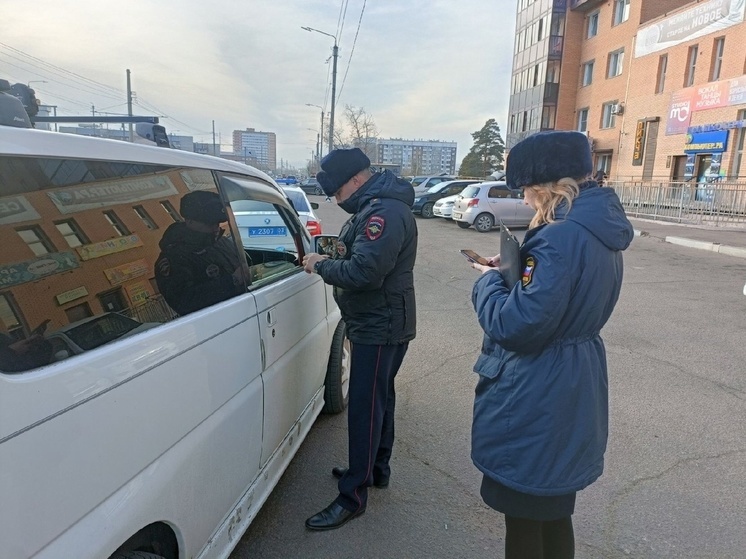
(472, 256)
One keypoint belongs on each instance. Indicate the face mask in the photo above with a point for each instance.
(348, 205)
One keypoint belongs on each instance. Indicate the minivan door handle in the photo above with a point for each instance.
(271, 317)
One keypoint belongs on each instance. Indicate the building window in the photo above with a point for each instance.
(592, 29)
(72, 232)
(10, 316)
(36, 240)
(116, 223)
(583, 120)
(603, 163)
(660, 83)
(146, 219)
(548, 117)
(621, 11)
(717, 58)
(587, 75)
(691, 65)
(616, 63)
(170, 210)
(608, 114)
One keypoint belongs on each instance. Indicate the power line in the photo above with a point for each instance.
(352, 51)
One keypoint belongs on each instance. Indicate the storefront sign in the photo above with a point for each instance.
(71, 295)
(679, 112)
(15, 209)
(717, 126)
(139, 292)
(706, 142)
(109, 193)
(710, 96)
(126, 272)
(96, 250)
(737, 91)
(704, 18)
(639, 143)
(31, 270)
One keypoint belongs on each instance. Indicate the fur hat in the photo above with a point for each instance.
(203, 206)
(548, 157)
(339, 166)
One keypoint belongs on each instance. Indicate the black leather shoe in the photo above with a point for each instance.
(332, 517)
(338, 472)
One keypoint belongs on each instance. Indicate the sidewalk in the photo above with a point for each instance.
(725, 240)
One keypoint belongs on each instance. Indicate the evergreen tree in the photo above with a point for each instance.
(486, 155)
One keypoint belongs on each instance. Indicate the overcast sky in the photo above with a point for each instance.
(424, 69)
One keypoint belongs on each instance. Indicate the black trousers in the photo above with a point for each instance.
(370, 419)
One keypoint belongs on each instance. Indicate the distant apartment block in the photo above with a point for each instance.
(256, 148)
(418, 157)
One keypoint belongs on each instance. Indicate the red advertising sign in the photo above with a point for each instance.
(680, 111)
(711, 96)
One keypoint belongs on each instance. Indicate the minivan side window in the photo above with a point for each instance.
(79, 269)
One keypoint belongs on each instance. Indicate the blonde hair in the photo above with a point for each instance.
(549, 195)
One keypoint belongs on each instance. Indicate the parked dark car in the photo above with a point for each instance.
(423, 203)
(311, 186)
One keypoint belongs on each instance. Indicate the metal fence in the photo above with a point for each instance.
(154, 309)
(711, 203)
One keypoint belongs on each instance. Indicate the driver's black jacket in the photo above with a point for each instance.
(372, 269)
(195, 270)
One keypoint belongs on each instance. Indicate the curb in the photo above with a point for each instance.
(738, 252)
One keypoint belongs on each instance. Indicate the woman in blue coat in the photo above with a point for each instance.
(541, 402)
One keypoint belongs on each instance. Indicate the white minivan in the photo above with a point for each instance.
(160, 441)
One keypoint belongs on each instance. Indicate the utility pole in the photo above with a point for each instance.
(334, 95)
(213, 140)
(129, 104)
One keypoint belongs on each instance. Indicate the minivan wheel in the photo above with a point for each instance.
(484, 223)
(427, 210)
(463, 224)
(337, 383)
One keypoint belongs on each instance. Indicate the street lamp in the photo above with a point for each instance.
(321, 130)
(317, 156)
(334, 84)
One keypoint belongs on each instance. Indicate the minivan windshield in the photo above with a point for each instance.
(470, 192)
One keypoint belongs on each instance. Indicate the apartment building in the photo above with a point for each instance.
(417, 157)
(657, 85)
(255, 148)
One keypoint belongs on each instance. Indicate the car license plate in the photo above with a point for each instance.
(268, 231)
(456, 215)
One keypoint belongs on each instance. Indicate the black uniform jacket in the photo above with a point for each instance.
(195, 270)
(372, 268)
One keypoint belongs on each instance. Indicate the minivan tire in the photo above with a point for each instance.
(427, 210)
(484, 223)
(463, 224)
(337, 383)
(136, 555)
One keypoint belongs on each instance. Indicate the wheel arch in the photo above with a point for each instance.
(158, 538)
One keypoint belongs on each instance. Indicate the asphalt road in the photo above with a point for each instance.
(675, 479)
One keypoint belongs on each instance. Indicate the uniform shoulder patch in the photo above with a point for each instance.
(528, 271)
(163, 266)
(374, 227)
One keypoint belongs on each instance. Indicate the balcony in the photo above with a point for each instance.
(585, 5)
(551, 93)
(555, 46)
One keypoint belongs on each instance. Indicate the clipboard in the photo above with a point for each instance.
(510, 256)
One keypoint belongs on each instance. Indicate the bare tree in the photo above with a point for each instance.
(359, 130)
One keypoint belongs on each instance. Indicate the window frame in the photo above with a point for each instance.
(584, 111)
(608, 119)
(145, 217)
(116, 222)
(172, 212)
(620, 13)
(618, 66)
(691, 65)
(592, 24)
(41, 237)
(75, 230)
(660, 81)
(716, 65)
(586, 77)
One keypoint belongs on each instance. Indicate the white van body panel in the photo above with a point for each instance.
(190, 423)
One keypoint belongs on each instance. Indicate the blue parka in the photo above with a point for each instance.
(541, 404)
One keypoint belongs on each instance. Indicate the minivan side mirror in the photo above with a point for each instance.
(325, 244)
(314, 205)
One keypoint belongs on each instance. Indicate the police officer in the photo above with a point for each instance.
(198, 266)
(371, 272)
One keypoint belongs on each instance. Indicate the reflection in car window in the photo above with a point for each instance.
(88, 268)
(499, 192)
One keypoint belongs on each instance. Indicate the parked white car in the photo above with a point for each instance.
(158, 439)
(484, 205)
(304, 208)
(444, 207)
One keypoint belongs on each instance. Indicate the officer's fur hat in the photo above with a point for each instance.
(339, 166)
(548, 157)
(203, 206)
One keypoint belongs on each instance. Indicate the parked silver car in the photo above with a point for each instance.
(483, 205)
